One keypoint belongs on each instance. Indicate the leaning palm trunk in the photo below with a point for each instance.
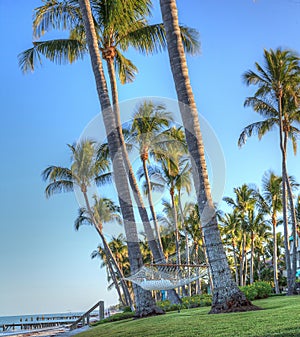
(115, 281)
(109, 254)
(154, 245)
(226, 296)
(145, 304)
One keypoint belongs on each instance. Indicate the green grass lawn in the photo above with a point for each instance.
(280, 317)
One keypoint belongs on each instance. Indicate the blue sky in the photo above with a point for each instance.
(45, 265)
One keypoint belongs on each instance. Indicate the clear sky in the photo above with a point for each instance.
(45, 265)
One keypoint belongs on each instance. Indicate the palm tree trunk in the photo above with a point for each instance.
(226, 296)
(294, 221)
(145, 304)
(109, 254)
(177, 246)
(116, 283)
(187, 248)
(275, 258)
(153, 213)
(235, 262)
(252, 259)
(242, 265)
(154, 245)
(283, 143)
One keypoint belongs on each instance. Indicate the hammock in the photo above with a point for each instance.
(166, 276)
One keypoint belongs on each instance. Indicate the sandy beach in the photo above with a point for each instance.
(47, 332)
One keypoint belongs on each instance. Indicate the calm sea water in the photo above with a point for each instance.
(38, 318)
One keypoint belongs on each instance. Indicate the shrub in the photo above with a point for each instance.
(264, 289)
(194, 301)
(250, 292)
(257, 290)
(117, 317)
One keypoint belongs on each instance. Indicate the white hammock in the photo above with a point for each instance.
(167, 276)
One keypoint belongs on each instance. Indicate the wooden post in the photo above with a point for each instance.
(101, 310)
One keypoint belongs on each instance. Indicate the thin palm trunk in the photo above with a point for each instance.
(177, 246)
(154, 245)
(116, 283)
(283, 143)
(242, 265)
(293, 218)
(145, 304)
(109, 254)
(252, 258)
(153, 213)
(275, 258)
(226, 296)
(235, 262)
(187, 248)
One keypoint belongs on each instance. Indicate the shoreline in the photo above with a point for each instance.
(45, 332)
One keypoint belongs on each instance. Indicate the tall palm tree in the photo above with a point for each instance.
(145, 304)
(272, 205)
(226, 296)
(257, 224)
(119, 25)
(243, 204)
(231, 224)
(104, 210)
(149, 122)
(277, 100)
(168, 175)
(84, 172)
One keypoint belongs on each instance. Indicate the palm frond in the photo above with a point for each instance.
(103, 179)
(55, 14)
(125, 68)
(82, 219)
(147, 39)
(60, 51)
(258, 128)
(190, 40)
(58, 187)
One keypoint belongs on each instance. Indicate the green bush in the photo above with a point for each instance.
(264, 289)
(126, 309)
(250, 292)
(194, 301)
(257, 290)
(117, 317)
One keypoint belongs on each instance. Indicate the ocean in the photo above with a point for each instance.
(37, 318)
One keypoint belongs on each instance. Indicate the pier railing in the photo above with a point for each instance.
(85, 318)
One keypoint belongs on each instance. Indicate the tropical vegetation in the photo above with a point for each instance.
(241, 244)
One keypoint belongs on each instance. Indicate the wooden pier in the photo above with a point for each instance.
(70, 321)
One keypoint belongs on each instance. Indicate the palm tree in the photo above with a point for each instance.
(257, 224)
(103, 211)
(168, 175)
(149, 121)
(226, 296)
(231, 224)
(115, 33)
(276, 99)
(145, 304)
(272, 205)
(244, 203)
(118, 247)
(84, 172)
